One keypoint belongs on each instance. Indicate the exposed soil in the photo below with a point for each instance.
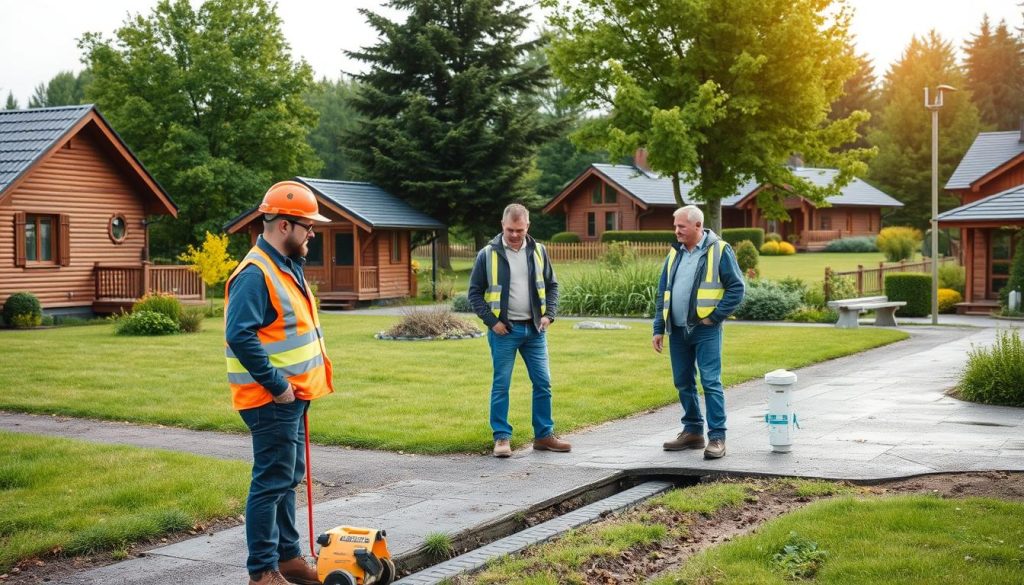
(635, 565)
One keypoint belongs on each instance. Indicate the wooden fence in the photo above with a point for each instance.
(872, 280)
(577, 252)
(134, 281)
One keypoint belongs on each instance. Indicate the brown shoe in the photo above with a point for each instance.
(502, 448)
(715, 450)
(299, 572)
(684, 441)
(269, 577)
(551, 443)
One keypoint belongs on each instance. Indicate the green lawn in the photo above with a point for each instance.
(82, 498)
(427, 397)
(808, 267)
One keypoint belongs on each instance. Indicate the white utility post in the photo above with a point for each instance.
(934, 107)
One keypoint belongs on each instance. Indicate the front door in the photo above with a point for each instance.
(1001, 250)
(343, 261)
(317, 275)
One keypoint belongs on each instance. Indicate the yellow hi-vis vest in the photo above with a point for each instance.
(294, 342)
(710, 291)
(493, 293)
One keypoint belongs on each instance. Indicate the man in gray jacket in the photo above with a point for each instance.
(514, 292)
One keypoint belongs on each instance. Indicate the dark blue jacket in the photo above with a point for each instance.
(728, 270)
(478, 284)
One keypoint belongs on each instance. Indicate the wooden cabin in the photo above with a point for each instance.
(989, 181)
(73, 207)
(364, 254)
(608, 197)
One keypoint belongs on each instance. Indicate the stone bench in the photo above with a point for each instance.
(850, 310)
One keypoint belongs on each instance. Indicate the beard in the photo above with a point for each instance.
(297, 249)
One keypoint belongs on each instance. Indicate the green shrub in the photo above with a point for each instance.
(618, 254)
(655, 236)
(786, 249)
(913, 287)
(747, 256)
(461, 304)
(767, 300)
(952, 276)
(146, 323)
(793, 284)
(772, 237)
(948, 298)
(22, 310)
(167, 305)
(995, 376)
(840, 287)
(737, 235)
(191, 319)
(852, 245)
(944, 243)
(1016, 280)
(805, 314)
(770, 248)
(565, 238)
(629, 291)
(814, 297)
(898, 243)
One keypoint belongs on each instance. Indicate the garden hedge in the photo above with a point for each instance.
(565, 238)
(913, 287)
(655, 236)
(737, 235)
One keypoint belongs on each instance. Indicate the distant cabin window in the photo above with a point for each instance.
(826, 222)
(609, 221)
(610, 196)
(595, 195)
(396, 247)
(118, 229)
(40, 238)
(591, 224)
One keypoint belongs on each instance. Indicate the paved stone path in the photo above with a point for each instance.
(876, 415)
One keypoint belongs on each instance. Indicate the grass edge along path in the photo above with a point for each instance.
(68, 497)
(419, 397)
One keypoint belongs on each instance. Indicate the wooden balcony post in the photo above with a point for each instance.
(145, 279)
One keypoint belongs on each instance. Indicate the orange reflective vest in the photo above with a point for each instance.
(294, 341)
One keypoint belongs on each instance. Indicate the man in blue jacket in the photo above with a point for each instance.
(513, 290)
(700, 286)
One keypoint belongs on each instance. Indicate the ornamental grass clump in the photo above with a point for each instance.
(626, 292)
(995, 375)
(433, 323)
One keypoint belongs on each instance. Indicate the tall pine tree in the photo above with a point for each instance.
(995, 75)
(333, 101)
(65, 89)
(12, 103)
(450, 110)
(903, 135)
(860, 93)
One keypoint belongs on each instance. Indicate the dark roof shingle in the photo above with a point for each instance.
(25, 135)
(989, 150)
(1005, 205)
(373, 205)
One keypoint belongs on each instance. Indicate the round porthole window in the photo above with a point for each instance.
(118, 229)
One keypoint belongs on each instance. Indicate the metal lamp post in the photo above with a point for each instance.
(934, 107)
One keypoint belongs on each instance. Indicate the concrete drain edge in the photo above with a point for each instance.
(476, 559)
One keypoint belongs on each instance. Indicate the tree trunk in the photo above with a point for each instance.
(713, 215)
(676, 192)
(444, 255)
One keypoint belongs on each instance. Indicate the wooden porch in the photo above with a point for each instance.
(118, 287)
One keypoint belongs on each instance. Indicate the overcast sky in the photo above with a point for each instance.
(39, 36)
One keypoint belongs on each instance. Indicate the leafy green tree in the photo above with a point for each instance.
(12, 104)
(211, 102)
(65, 89)
(995, 75)
(860, 94)
(903, 135)
(332, 99)
(717, 91)
(450, 110)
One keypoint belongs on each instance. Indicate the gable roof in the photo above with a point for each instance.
(1004, 206)
(989, 151)
(364, 204)
(28, 136)
(651, 189)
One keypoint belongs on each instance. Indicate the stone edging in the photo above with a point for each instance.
(384, 337)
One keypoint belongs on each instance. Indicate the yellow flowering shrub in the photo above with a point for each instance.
(948, 298)
(212, 261)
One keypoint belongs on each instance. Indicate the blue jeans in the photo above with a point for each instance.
(533, 346)
(700, 349)
(279, 464)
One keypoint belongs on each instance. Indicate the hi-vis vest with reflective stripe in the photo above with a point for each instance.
(710, 291)
(294, 341)
(493, 293)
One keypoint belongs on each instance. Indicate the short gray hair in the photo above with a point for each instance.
(692, 212)
(514, 211)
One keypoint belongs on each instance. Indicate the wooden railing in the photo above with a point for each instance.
(133, 282)
(577, 252)
(819, 236)
(872, 280)
(368, 279)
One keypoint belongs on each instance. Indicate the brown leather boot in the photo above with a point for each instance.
(269, 577)
(684, 441)
(299, 572)
(551, 443)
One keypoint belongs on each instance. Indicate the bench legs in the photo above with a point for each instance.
(848, 318)
(885, 317)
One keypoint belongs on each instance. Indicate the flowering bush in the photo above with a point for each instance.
(786, 249)
(212, 261)
(770, 248)
(948, 298)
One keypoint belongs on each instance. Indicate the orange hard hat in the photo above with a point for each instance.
(292, 198)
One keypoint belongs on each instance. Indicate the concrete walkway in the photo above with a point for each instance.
(876, 415)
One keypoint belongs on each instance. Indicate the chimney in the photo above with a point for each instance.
(640, 160)
(795, 161)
